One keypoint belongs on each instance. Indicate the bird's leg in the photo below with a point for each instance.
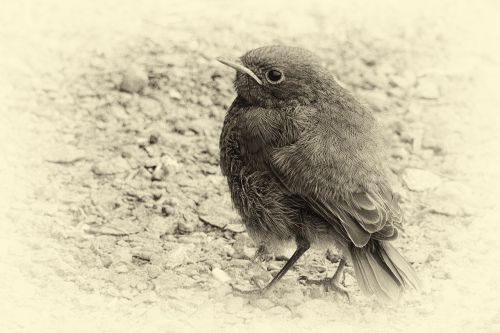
(302, 247)
(336, 281)
(333, 283)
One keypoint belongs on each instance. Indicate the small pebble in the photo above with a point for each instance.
(167, 210)
(261, 279)
(185, 227)
(205, 101)
(220, 275)
(274, 266)
(405, 80)
(65, 155)
(153, 271)
(110, 166)
(121, 268)
(134, 80)
(174, 94)
(229, 250)
(248, 252)
(420, 180)
(400, 153)
(159, 173)
(161, 225)
(153, 138)
(106, 260)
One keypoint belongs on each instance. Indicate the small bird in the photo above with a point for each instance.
(304, 162)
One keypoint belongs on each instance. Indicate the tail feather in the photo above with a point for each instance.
(408, 274)
(382, 271)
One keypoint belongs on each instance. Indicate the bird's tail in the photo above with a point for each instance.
(382, 271)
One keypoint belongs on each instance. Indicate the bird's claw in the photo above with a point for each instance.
(330, 284)
(333, 284)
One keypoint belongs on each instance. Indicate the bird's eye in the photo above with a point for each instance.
(274, 76)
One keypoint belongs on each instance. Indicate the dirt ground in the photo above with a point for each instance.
(115, 216)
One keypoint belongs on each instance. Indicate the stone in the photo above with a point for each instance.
(377, 99)
(134, 79)
(205, 101)
(159, 173)
(154, 271)
(170, 164)
(274, 266)
(450, 199)
(167, 210)
(141, 286)
(433, 143)
(446, 208)
(174, 94)
(217, 212)
(420, 180)
(110, 166)
(153, 138)
(121, 268)
(178, 255)
(261, 279)
(186, 226)
(405, 80)
(106, 260)
(162, 226)
(65, 155)
(220, 275)
(118, 227)
(229, 250)
(235, 227)
(133, 151)
(400, 153)
(122, 254)
(248, 252)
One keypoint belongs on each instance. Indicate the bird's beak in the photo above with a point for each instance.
(240, 68)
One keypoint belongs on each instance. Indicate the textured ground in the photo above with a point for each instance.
(115, 216)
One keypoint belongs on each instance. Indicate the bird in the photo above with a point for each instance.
(305, 163)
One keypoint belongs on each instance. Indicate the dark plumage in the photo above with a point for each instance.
(304, 162)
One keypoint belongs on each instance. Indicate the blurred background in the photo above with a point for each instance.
(114, 214)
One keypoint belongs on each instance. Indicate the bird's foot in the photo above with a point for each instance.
(336, 285)
(329, 284)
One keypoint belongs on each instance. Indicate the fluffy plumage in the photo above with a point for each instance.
(304, 161)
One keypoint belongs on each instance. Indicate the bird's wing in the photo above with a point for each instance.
(339, 178)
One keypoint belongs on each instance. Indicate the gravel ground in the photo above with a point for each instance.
(115, 216)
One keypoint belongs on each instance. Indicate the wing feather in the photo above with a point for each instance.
(337, 174)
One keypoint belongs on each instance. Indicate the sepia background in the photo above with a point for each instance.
(114, 214)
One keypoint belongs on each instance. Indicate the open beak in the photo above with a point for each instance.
(240, 68)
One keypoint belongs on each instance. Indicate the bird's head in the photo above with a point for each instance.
(276, 76)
